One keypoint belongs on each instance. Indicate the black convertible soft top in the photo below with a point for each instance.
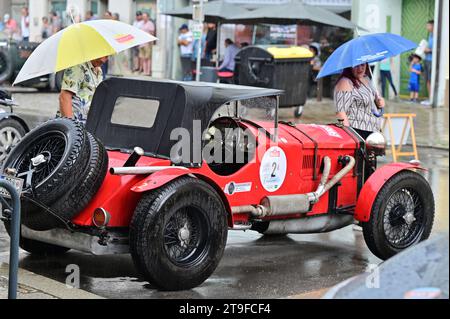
(180, 103)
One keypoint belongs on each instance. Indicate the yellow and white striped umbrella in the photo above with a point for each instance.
(80, 43)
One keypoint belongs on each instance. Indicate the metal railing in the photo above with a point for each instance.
(14, 234)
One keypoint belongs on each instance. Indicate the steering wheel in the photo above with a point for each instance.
(230, 138)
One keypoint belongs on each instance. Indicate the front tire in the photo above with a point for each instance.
(402, 215)
(178, 234)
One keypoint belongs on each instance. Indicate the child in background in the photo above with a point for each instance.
(414, 80)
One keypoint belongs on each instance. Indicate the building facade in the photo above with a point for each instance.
(408, 18)
(165, 58)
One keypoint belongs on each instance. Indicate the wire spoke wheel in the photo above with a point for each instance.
(402, 215)
(403, 218)
(39, 161)
(185, 236)
(9, 137)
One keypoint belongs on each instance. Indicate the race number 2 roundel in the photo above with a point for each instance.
(273, 169)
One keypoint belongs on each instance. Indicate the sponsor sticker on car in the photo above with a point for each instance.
(232, 188)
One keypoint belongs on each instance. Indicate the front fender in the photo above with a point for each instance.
(7, 115)
(374, 184)
(158, 179)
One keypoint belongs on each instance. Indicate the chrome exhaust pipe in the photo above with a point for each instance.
(309, 225)
(296, 203)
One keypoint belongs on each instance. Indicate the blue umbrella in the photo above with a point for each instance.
(365, 49)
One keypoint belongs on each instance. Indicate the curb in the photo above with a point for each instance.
(440, 148)
(35, 286)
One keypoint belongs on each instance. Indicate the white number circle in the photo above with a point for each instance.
(272, 171)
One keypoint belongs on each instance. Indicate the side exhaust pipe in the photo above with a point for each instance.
(309, 225)
(297, 203)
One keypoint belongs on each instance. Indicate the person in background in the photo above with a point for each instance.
(46, 31)
(186, 44)
(25, 24)
(77, 89)
(145, 50)
(316, 65)
(90, 16)
(56, 22)
(415, 69)
(386, 75)
(105, 66)
(135, 50)
(429, 60)
(108, 15)
(228, 63)
(355, 99)
(211, 41)
(10, 25)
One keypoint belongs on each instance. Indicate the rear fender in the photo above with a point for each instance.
(163, 177)
(158, 179)
(374, 184)
(7, 115)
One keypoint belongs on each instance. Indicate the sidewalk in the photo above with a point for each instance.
(33, 286)
(431, 125)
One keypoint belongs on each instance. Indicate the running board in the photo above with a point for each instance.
(78, 241)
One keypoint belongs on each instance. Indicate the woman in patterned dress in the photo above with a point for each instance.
(356, 98)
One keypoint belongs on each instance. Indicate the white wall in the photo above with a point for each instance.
(372, 15)
(444, 54)
(37, 9)
(124, 8)
(80, 7)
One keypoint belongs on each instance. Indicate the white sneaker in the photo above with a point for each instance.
(426, 102)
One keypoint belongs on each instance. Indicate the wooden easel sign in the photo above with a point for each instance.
(397, 128)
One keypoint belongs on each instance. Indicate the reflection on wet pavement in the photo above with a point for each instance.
(252, 266)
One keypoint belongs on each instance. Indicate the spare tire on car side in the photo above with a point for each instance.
(88, 183)
(63, 166)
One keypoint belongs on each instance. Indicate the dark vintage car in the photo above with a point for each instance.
(13, 55)
(12, 126)
(163, 169)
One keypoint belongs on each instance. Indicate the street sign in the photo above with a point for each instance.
(197, 30)
(17, 183)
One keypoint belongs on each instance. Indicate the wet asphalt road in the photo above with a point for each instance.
(253, 266)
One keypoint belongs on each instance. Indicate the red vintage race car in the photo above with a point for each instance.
(163, 169)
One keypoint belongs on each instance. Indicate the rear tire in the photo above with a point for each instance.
(402, 215)
(178, 234)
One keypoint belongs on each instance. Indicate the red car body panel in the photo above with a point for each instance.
(119, 195)
(374, 184)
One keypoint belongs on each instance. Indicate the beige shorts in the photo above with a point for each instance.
(145, 52)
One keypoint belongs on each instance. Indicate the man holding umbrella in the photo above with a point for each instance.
(81, 49)
(78, 87)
